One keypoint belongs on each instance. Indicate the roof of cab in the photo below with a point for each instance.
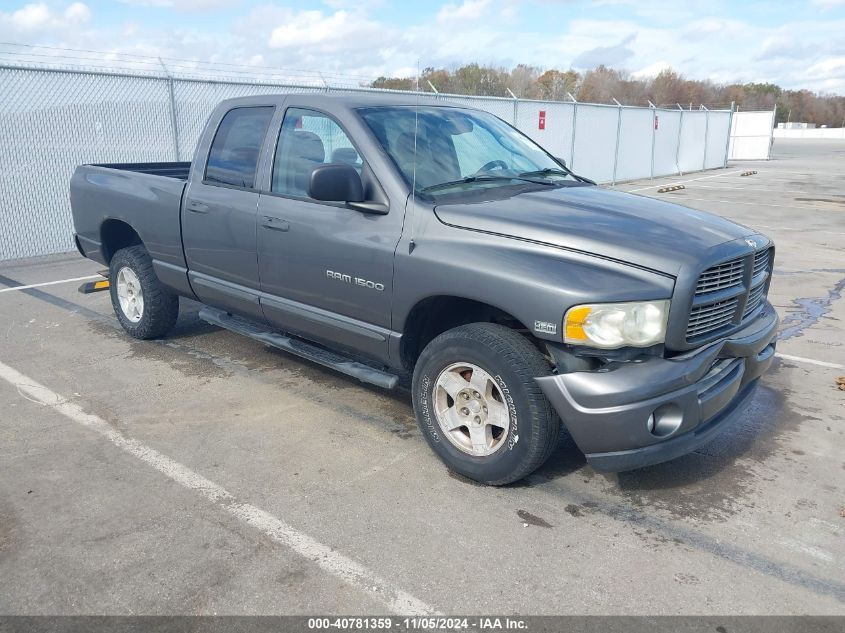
(349, 100)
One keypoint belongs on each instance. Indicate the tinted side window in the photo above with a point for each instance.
(233, 157)
(308, 139)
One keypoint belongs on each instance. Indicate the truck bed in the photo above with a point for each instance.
(144, 197)
(175, 170)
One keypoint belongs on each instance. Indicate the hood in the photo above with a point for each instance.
(634, 229)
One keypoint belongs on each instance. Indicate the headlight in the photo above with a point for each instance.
(612, 325)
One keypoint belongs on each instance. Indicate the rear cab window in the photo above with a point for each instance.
(234, 153)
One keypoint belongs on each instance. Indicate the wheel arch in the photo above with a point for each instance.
(117, 234)
(433, 315)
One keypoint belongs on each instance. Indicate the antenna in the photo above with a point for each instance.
(416, 126)
(410, 215)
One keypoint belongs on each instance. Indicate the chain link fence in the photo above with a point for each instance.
(52, 120)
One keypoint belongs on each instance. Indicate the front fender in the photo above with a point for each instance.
(532, 282)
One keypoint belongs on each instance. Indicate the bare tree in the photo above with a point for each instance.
(603, 85)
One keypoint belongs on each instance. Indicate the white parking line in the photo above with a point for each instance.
(681, 182)
(797, 228)
(803, 548)
(758, 204)
(749, 189)
(348, 570)
(809, 361)
(50, 283)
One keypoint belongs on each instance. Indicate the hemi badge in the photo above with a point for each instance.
(544, 327)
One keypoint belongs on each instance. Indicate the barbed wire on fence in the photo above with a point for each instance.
(94, 61)
(59, 58)
(55, 118)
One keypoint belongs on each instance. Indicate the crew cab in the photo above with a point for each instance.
(388, 237)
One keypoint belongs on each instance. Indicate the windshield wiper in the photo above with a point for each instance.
(549, 171)
(545, 172)
(483, 178)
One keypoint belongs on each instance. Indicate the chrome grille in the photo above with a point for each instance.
(720, 276)
(711, 317)
(761, 261)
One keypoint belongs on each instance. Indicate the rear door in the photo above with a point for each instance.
(219, 213)
(326, 270)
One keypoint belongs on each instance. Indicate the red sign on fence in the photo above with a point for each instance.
(541, 124)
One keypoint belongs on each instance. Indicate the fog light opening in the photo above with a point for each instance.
(665, 420)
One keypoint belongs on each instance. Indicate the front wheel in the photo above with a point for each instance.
(478, 405)
(144, 307)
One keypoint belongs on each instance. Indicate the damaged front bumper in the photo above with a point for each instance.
(633, 414)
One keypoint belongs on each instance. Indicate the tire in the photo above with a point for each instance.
(509, 363)
(156, 312)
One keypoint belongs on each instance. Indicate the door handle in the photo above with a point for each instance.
(198, 207)
(275, 224)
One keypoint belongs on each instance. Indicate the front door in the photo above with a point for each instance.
(326, 270)
(219, 215)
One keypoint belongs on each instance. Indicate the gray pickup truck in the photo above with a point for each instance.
(389, 237)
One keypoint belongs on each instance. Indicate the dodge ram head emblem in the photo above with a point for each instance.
(751, 243)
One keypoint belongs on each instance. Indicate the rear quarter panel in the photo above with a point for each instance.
(149, 204)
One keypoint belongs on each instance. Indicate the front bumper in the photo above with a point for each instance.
(692, 398)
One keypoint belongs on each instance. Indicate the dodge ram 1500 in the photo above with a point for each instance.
(386, 237)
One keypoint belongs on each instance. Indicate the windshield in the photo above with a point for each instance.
(459, 149)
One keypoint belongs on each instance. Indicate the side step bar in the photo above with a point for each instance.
(301, 348)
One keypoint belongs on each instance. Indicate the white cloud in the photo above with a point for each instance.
(469, 10)
(325, 41)
(826, 5)
(721, 49)
(614, 56)
(184, 5)
(351, 37)
(78, 13)
(652, 70)
(39, 17)
(31, 17)
(310, 28)
(830, 68)
(407, 71)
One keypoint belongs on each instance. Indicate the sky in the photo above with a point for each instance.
(793, 44)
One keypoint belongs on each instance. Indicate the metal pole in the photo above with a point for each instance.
(706, 130)
(515, 104)
(174, 126)
(574, 123)
(728, 141)
(618, 133)
(680, 136)
(772, 131)
(653, 135)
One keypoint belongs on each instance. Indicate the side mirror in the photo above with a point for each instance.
(335, 182)
(561, 161)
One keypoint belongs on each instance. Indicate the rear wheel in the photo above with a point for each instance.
(478, 405)
(144, 307)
